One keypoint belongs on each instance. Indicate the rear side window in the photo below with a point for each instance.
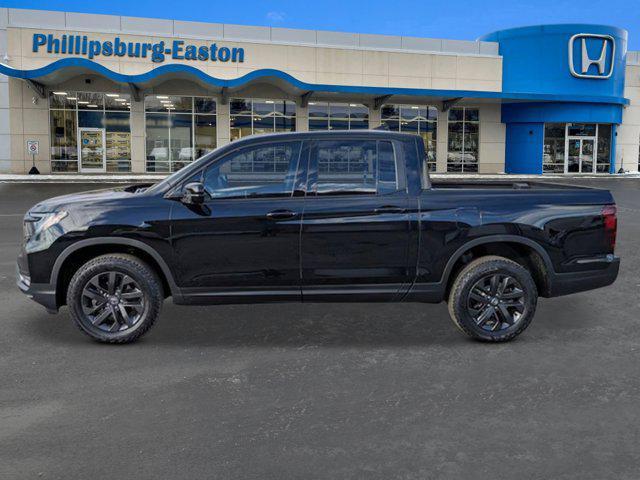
(260, 171)
(354, 167)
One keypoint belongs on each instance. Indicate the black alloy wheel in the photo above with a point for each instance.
(493, 299)
(113, 301)
(496, 302)
(115, 298)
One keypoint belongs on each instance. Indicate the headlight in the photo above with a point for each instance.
(37, 223)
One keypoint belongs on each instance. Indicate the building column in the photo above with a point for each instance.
(5, 118)
(302, 118)
(441, 145)
(491, 151)
(5, 123)
(138, 137)
(34, 126)
(375, 118)
(626, 144)
(222, 123)
(627, 141)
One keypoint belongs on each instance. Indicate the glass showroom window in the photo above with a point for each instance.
(419, 119)
(553, 150)
(338, 116)
(71, 112)
(603, 157)
(178, 130)
(464, 139)
(252, 116)
(570, 148)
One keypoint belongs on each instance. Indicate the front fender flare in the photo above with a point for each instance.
(129, 242)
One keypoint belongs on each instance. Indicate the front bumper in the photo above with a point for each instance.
(42, 293)
(568, 283)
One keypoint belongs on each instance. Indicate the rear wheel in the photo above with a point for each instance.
(493, 299)
(115, 298)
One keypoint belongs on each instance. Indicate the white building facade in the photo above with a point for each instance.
(111, 94)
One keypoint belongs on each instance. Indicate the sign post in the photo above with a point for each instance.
(33, 148)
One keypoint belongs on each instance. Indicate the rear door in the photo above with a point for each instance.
(355, 227)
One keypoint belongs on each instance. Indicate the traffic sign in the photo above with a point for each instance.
(33, 147)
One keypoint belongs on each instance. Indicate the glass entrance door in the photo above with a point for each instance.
(579, 156)
(91, 150)
(586, 155)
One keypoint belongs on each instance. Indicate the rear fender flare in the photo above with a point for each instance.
(497, 239)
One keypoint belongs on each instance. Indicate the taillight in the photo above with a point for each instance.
(610, 220)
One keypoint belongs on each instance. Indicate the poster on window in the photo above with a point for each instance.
(118, 145)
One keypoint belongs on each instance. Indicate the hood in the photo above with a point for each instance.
(86, 198)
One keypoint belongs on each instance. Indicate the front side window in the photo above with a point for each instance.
(252, 116)
(355, 167)
(260, 171)
(338, 116)
(417, 119)
(178, 130)
(464, 139)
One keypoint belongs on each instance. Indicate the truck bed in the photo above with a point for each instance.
(502, 185)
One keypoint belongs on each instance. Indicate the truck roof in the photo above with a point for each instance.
(324, 134)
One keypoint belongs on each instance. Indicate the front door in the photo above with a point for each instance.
(245, 239)
(355, 229)
(580, 155)
(91, 150)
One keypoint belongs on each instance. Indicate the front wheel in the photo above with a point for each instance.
(493, 299)
(115, 298)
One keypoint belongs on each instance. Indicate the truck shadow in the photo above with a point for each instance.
(322, 325)
(328, 324)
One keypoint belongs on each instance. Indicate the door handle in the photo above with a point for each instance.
(281, 214)
(389, 209)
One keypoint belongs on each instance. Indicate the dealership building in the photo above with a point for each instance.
(84, 93)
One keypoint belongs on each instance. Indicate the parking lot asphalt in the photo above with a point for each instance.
(330, 391)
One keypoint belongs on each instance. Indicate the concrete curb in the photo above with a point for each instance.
(144, 178)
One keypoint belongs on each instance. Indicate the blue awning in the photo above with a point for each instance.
(64, 69)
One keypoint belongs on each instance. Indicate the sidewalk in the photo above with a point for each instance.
(78, 178)
(146, 178)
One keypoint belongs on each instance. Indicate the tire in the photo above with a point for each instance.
(119, 285)
(481, 306)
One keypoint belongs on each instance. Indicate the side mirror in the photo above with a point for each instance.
(193, 193)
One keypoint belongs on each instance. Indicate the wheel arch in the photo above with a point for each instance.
(523, 250)
(84, 250)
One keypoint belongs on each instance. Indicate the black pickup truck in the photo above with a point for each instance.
(316, 217)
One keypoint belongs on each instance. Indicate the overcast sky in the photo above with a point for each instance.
(454, 19)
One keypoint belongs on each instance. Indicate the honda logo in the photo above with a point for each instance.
(595, 55)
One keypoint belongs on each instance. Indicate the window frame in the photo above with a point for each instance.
(464, 151)
(193, 114)
(348, 118)
(76, 108)
(597, 138)
(312, 176)
(253, 115)
(431, 165)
